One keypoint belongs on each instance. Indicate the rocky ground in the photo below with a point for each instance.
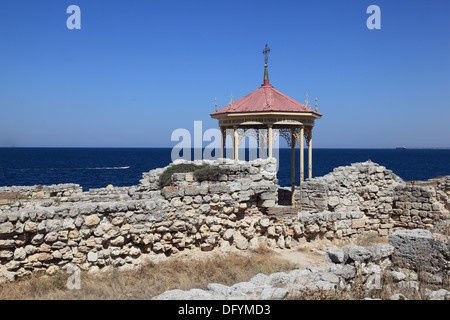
(380, 270)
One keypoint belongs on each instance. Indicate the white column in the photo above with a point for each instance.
(222, 143)
(302, 154)
(292, 168)
(310, 155)
(262, 154)
(270, 140)
(236, 144)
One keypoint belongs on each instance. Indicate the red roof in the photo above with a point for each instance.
(265, 99)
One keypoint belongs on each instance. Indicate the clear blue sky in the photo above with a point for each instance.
(139, 69)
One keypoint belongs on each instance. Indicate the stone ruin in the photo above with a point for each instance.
(391, 270)
(46, 228)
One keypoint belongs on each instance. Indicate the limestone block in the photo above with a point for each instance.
(265, 222)
(5, 244)
(357, 253)
(335, 256)
(358, 223)
(333, 201)
(342, 224)
(120, 240)
(44, 256)
(6, 228)
(240, 241)
(172, 192)
(30, 226)
(271, 231)
(189, 213)
(312, 228)
(228, 234)
(419, 249)
(235, 186)
(92, 256)
(91, 220)
(268, 204)
(219, 188)
(380, 250)
(20, 254)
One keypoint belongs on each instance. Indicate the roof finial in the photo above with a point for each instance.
(266, 59)
(215, 103)
(230, 105)
(306, 101)
(316, 104)
(266, 51)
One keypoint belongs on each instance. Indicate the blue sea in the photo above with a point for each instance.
(96, 167)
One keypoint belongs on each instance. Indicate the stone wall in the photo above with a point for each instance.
(417, 207)
(97, 229)
(385, 199)
(9, 195)
(364, 186)
(117, 227)
(443, 192)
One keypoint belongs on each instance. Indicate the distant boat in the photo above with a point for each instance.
(401, 148)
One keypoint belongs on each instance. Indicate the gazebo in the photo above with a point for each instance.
(264, 113)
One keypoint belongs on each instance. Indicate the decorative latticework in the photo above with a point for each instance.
(288, 133)
(261, 135)
(308, 133)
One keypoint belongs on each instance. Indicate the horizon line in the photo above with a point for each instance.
(149, 147)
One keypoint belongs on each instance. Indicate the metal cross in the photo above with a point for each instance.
(230, 105)
(265, 53)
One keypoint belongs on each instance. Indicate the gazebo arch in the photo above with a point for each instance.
(267, 110)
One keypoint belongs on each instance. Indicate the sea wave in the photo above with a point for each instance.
(109, 168)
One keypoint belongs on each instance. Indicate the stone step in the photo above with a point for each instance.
(281, 210)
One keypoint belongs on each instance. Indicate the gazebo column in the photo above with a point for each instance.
(236, 143)
(302, 162)
(269, 133)
(262, 139)
(222, 142)
(310, 154)
(292, 168)
(302, 154)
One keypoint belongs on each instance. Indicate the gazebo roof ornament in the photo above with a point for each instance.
(266, 52)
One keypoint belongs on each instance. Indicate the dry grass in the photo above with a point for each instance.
(442, 227)
(320, 294)
(368, 238)
(149, 280)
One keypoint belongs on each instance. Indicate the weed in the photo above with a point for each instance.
(204, 172)
(166, 176)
